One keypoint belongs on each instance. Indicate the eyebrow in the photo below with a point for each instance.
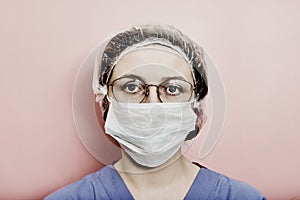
(142, 79)
(132, 76)
(172, 77)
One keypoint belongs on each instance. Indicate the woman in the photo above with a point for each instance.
(150, 83)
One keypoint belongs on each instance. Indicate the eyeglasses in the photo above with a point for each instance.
(130, 89)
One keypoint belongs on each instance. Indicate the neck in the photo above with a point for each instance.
(140, 177)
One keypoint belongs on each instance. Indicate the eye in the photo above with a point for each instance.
(131, 88)
(172, 90)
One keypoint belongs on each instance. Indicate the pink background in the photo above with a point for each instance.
(255, 44)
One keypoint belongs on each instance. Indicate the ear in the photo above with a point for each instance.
(201, 119)
(99, 97)
(201, 116)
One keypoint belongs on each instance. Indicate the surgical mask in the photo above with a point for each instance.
(150, 133)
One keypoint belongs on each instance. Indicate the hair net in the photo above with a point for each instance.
(142, 36)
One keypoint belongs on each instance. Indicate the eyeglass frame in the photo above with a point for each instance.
(147, 86)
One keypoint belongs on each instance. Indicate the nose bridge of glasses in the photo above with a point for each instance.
(152, 94)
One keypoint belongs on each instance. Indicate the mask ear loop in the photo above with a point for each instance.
(100, 93)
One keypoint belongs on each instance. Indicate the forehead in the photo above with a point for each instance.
(152, 62)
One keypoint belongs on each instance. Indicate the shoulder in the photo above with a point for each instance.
(231, 189)
(89, 187)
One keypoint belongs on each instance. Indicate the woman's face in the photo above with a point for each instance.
(153, 66)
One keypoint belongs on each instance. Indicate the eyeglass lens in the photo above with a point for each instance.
(132, 90)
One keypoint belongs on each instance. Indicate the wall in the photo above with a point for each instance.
(255, 44)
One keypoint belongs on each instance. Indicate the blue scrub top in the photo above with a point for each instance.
(107, 184)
